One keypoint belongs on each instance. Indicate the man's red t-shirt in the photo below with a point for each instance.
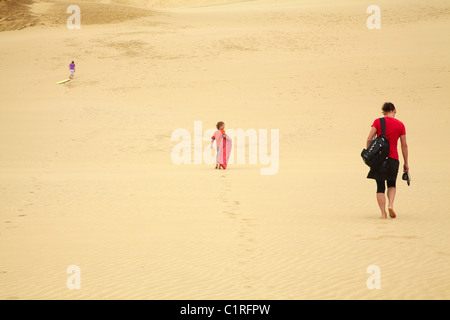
(394, 129)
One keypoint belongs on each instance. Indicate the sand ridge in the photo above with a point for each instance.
(18, 15)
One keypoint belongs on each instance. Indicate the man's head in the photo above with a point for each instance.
(388, 109)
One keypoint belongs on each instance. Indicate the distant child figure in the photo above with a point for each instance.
(72, 70)
(218, 136)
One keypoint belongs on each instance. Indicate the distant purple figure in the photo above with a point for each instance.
(72, 70)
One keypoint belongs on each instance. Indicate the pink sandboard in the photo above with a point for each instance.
(224, 152)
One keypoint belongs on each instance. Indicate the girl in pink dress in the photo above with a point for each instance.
(223, 143)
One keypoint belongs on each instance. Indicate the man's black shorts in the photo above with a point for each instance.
(387, 171)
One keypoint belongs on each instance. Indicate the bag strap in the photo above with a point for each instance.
(383, 127)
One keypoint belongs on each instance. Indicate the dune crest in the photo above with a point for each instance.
(160, 4)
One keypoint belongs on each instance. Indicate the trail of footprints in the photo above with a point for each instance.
(22, 209)
(245, 242)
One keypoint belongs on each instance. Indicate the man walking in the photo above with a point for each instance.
(388, 172)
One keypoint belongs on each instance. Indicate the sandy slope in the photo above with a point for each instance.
(86, 176)
(163, 4)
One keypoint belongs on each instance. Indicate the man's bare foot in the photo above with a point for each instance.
(392, 213)
(383, 216)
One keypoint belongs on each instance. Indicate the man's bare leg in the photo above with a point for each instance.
(391, 197)
(381, 199)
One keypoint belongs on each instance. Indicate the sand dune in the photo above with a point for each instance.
(160, 4)
(86, 176)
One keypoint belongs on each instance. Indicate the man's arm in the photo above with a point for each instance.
(404, 152)
(372, 134)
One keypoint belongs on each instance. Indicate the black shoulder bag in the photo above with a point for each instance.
(378, 150)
